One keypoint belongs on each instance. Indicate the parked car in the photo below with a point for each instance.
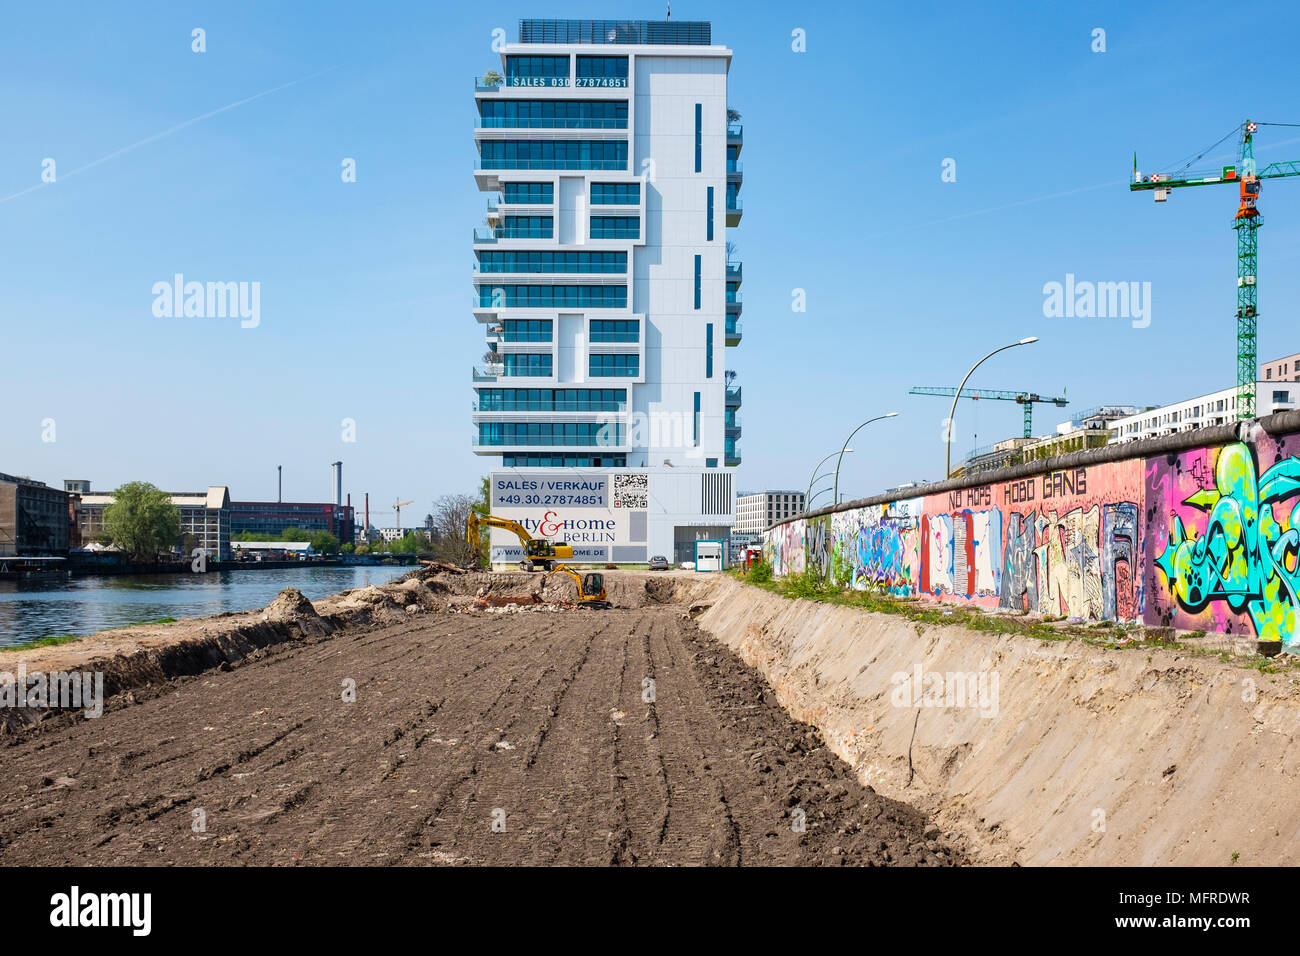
(659, 563)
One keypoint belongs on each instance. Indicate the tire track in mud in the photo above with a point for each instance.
(538, 713)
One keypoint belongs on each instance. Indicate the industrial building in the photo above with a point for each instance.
(274, 517)
(602, 281)
(759, 510)
(205, 515)
(33, 518)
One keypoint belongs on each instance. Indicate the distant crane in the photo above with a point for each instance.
(1246, 222)
(397, 507)
(1026, 399)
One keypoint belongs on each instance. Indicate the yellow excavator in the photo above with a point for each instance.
(591, 587)
(538, 552)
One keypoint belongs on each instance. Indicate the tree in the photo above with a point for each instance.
(732, 115)
(322, 542)
(492, 78)
(142, 520)
(450, 520)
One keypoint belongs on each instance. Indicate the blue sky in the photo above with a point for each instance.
(365, 304)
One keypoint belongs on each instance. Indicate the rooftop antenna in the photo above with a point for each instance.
(670, 16)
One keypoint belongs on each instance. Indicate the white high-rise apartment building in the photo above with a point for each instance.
(603, 284)
(762, 509)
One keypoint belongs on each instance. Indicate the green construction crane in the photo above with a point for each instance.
(1026, 399)
(1246, 223)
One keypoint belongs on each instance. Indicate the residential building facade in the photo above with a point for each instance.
(602, 281)
(762, 509)
(1217, 408)
(1285, 369)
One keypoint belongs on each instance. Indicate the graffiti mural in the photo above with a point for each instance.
(878, 545)
(1202, 539)
(783, 548)
(1224, 536)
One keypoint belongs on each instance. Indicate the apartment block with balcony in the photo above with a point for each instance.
(602, 282)
(1217, 408)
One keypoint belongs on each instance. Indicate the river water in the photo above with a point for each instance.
(32, 609)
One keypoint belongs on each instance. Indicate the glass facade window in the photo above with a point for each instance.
(550, 433)
(708, 225)
(708, 350)
(615, 330)
(537, 71)
(543, 261)
(602, 71)
(697, 419)
(699, 136)
(564, 461)
(733, 291)
(527, 330)
(526, 227)
(527, 363)
(552, 296)
(553, 154)
(615, 194)
(525, 193)
(697, 282)
(733, 191)
(553, 114)
(615, 227)
(618, 366)
(552, 399)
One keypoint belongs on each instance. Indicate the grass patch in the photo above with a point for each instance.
(1108, 634)
(55, 639)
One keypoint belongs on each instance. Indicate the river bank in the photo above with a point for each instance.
(47, 607)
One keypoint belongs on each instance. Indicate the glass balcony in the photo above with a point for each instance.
(602, 164)
(734, 332)
(735, 133)
(733, 395)
(484, 234)
(734, 204)
(734, 272)
(488, 83)
(528, 122)
(735, 167)
(488, 373)
(734, 297)
(544, 406)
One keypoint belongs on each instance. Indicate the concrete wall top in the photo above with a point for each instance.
(1242, 431)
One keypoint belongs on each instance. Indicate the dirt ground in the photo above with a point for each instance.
(475, 737)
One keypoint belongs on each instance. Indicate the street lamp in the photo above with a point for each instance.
(818, 495)
(836, 497)
(814, 478)
(947, 464)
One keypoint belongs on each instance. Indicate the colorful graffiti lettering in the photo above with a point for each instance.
(1240, 557)
(877, 546)
(1064, 543)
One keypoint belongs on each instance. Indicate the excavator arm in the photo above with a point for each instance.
(537, 551)
(591, 586)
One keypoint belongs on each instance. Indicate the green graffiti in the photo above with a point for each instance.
(1242, 558)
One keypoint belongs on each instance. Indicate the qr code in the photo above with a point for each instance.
(631, 491)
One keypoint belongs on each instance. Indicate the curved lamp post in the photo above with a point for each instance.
(836, 497)
(947, 463)
(806, 499)
(818, 495)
